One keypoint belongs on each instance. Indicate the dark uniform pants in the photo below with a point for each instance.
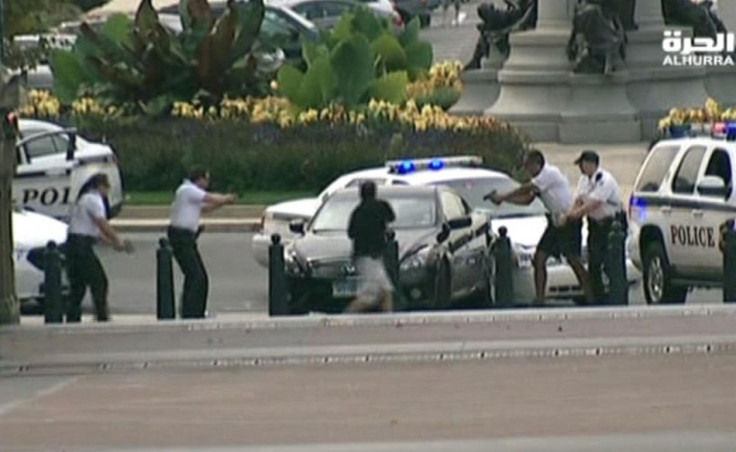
(598, 261)
(196, 283)
(85, 269)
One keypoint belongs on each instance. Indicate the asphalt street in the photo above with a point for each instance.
(611, 403)
(237, 282)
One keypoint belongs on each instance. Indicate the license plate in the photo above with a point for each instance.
(345, 288)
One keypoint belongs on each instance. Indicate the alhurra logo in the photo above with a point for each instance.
(700, 51)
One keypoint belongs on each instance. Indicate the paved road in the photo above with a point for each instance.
(530, 405)
(237, 283)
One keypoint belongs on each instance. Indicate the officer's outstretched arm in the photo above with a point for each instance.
(108, 233)
(523, 195)
(213, 201)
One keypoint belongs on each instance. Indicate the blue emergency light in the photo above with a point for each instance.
(407, 166)
(723, 130)
(433, 164)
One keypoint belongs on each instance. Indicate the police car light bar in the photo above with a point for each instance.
(434, 164)
(723, 130)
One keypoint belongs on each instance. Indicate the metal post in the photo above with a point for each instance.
(729, 262)
(616, 265)
(504, 283)
(277, 296)
(165, 308)
(391, 261)
(53, 305)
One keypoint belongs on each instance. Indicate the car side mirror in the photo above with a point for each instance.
(712, 186)
(444, 234)
(71, 147)
(460, 223)
(297, 227)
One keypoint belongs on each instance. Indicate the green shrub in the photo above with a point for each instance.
(154, 155)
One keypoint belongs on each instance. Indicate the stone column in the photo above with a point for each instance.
(648, 14)
(653, 88)
(541, 95)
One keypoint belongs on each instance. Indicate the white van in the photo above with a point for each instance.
(54, 163)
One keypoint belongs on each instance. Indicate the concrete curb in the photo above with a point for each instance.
(211, 225)
(246, 351)
(123, 324)
(370, 354)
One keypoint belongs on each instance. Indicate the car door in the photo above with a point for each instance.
(311, 11)
(332, 13)
(686, 213)
(43, 176)
(464, 260)
(714, 210)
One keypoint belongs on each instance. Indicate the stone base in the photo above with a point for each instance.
(720, 83)
(480, 90)
(599, 129)
(569, 108)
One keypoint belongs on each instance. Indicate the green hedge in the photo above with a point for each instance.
(155, 155)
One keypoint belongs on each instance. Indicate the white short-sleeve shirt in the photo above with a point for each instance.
(90, 206)
(554, 189)
(187, 206)
(601, 186)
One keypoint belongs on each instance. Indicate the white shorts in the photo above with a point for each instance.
(373, 275)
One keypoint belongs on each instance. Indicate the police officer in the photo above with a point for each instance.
(367, 229)
(88, 224)
(558, 239)
(190, 200)
(599, 198)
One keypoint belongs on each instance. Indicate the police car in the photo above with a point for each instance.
(683, 192)
(31, 234)
(464, 174)
(54, 163)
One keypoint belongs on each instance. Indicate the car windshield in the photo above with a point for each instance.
(473, 191)
(416, 212)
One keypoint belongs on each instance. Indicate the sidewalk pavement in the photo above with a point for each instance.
(140, 342)
(623, 161)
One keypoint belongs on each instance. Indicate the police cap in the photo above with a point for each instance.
(588, 156)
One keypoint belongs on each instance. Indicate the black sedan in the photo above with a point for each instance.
(443, 252)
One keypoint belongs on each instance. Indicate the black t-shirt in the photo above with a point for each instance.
(367, 227)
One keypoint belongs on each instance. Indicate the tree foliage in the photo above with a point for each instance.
(359, 60)
(142, 62)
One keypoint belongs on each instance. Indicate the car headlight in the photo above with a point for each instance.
(523, 255)
(291, 262)
(416, 261)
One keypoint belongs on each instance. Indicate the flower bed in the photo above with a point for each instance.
(267, 143)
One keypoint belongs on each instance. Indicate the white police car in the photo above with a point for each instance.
(525, 224)
(31, 233)
(684, 191)
(54, 163)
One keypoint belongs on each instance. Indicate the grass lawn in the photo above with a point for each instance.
(156, 198)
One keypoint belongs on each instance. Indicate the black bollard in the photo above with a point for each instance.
(53, 307)
(391, 261)
(504, 283)
(729, 262)
(277, 290)
(618, 286)
(165, 308)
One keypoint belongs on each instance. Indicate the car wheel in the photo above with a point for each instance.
(442, 284)
(658, 288)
